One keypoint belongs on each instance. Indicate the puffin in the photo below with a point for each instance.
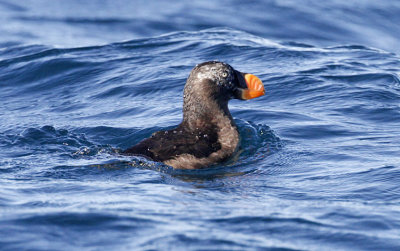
(207, 134)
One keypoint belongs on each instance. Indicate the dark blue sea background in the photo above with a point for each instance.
(319, 164)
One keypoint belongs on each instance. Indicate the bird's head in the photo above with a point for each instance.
(222, 82)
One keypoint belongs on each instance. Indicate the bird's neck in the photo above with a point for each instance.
(205, 112)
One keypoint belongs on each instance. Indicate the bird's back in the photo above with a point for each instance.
(166, 145)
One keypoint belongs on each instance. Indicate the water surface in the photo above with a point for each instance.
(319, 160)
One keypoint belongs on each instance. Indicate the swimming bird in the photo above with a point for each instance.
(207, 134)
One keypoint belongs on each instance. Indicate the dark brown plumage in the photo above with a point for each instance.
(207, 134)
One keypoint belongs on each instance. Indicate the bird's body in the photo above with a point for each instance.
(207, 134)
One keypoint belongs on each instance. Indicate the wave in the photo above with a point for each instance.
(318, 153)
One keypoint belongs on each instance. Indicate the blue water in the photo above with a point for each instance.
(319, 166)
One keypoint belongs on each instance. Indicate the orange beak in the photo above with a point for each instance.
(255, 87)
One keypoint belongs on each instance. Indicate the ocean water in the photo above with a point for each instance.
(319, 164)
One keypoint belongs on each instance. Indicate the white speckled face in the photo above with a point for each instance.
(223, 74)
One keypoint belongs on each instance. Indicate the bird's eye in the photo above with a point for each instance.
(224, 74)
